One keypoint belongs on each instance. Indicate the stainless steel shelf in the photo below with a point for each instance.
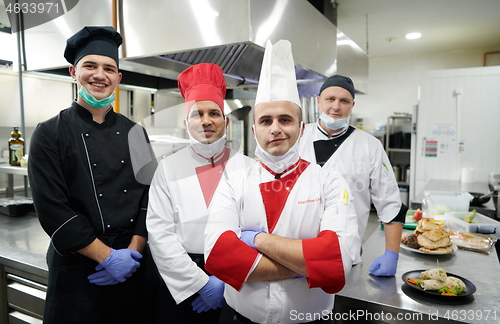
(398, 150)
(11, 171)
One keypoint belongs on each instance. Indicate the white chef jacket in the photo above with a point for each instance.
(178, 212)
(362, 160)
(313, 206)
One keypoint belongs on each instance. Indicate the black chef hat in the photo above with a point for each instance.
(93, 40)
(339, 81)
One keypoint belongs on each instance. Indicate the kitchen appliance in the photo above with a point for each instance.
(397, 172)
(494, 183)
(479, 198)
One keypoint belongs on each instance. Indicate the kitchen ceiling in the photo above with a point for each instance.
(445, 25)
(379, 26)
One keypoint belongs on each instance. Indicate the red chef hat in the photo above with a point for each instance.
(204, 81)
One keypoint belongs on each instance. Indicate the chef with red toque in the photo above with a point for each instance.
(180, 196)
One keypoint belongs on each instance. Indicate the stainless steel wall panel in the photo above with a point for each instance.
(352, 61)
(154, 27)
(45, 43)
(312, 35)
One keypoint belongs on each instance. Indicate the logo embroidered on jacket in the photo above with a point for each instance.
(309, 201)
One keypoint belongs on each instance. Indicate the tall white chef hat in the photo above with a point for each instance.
(277, 77)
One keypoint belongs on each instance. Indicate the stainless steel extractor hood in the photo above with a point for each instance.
(163, 37)
(231, 34)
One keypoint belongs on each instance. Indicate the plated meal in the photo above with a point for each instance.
(428, 237)
(438, 282)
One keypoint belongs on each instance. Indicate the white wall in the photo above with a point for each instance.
(394, 81)
(394, 87)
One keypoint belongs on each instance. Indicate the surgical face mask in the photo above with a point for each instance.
(207, 150)
(334, 124)
(91, 100)
(278, 163)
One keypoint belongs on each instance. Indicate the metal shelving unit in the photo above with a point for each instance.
(399, 149)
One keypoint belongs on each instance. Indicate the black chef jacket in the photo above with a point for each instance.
(82, 179)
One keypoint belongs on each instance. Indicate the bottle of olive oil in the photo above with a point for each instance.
(16, 147)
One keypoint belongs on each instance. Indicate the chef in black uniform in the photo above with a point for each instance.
(90, 195)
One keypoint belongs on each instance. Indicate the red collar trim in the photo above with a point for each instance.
(278, 175)
(215, 158)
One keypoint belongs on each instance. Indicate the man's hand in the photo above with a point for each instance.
(199, 305)
(212, 293)
(120, 265)
(249, 237)
(385, 265)
(102, 278)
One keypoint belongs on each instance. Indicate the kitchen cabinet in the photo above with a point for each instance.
(24, 295)
(398, 148)
(23, 269)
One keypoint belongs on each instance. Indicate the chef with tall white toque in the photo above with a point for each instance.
(283, 234)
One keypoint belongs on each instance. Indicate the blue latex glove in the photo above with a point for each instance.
(199, 305)
(102, 278)
(385, 265)
(249, 237)
(213, 292)
(121, 264)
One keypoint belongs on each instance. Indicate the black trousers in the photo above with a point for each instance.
(230, 316)
(71, 299)
(168, 312)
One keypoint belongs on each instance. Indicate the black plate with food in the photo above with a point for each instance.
(470, 288)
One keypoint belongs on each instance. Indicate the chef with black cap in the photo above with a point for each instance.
(91, 198)
(335, 145)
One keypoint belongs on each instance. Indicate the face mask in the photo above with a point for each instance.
(91, 100)
(280, 163)
(334, 124)
(207, 150)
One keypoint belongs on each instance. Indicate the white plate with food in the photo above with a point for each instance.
(428, 238)
(439, 251)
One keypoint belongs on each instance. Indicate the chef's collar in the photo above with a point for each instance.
(215, 159)
(336, 135)
(86, 114)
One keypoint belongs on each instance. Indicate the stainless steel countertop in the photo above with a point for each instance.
(23, 244)
(5, 168)
(487, 209)
(391, 292)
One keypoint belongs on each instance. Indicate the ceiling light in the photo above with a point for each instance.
(413, 35)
